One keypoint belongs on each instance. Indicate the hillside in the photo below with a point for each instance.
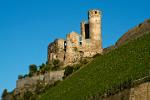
(135, 32)
(128, 62)
(132, 34)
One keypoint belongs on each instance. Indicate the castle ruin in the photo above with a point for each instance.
(77, 46)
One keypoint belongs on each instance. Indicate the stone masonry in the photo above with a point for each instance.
(29, 83)
(139, 92)
(76, 46)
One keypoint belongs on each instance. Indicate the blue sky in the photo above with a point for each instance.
(28, 26)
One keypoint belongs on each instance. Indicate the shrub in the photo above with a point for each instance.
(42, 66)
(68, 71)
(83, 61)
(5, 93)
(27, 95)
(76, 67)
(20, 76)
(32, 69)
(26, 75)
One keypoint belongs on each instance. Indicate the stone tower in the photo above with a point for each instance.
(91, 34)
(94, 17)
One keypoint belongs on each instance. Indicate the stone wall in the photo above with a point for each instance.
(56, 50)
(140, 92)
(29, 83)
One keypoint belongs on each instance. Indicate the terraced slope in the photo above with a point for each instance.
(130, 61)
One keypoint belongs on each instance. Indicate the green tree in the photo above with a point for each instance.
(42, 66)
(20, 76)
(5, 93)
(32, 69)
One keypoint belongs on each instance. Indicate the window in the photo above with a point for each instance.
(65, 45)
(95, 12)
(80, 40)
(80, 43)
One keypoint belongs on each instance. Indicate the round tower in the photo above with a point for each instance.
(94, 17)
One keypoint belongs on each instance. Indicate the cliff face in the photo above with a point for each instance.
(140, 92)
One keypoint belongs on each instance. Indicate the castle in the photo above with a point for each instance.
(77, 46)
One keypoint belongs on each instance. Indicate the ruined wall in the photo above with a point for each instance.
(77, 46)
(72, 48)
(140, 92)
(29, 83)
(56, 50)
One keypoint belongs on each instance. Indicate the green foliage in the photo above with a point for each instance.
(84, 61)
(32, 69)
(107, 73)
(27, 95)
(4, 94)
(68, 71)
(26, 75)
(56, 64)
(45, 68)
(20, 76)
(76, 67)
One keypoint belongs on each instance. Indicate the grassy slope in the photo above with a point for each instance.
(131, 60)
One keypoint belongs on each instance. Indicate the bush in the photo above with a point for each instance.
(32, 69)
(83, 61)
(26, 75)
(68, 71)
(27, 95)
(45, 68)
(5, 93)
(20, 76)
(76, 67)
